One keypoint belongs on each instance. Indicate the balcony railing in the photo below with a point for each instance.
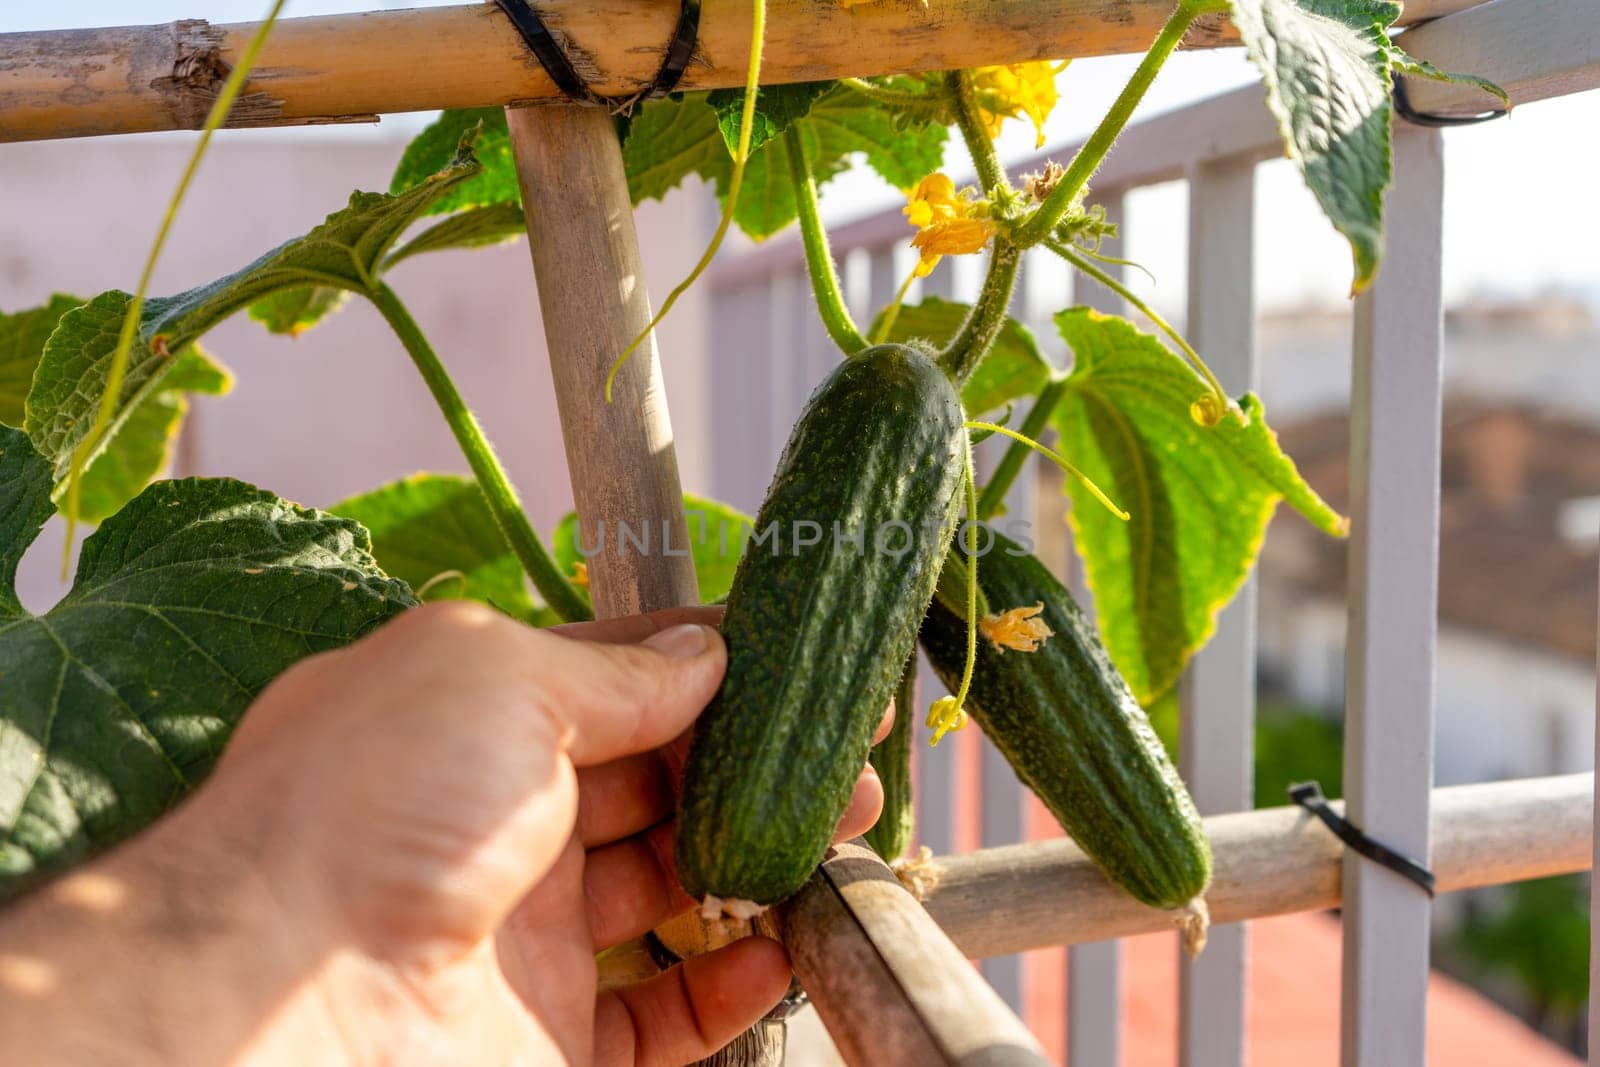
(1008, 897)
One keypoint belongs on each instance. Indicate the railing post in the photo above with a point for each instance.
(1216, 739)
(1094, 978)
(1594, 894)
(1389, 666)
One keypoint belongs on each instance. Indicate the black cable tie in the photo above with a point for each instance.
(1309, 796)
(685, 38)
(548, 51)
(1403, 108)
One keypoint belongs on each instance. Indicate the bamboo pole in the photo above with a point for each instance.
(1268, 862)
(890, 986)
(620, 456)
(351, 68)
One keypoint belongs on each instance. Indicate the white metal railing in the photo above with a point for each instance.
(760, 301)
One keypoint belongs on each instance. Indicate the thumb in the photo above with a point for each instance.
(613, 700)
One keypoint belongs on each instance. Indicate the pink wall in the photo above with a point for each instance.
(340, 409)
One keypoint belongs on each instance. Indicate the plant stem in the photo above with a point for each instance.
(111, 396)
(1054, 457)
(758, 29)
(819, 259)
(928, 105)
(491, 477)
(1078, 261)
(994, 493)
(983, 325)
(1039, 225)
(968, 120)
(888, 315)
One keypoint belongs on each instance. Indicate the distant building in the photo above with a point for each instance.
(1519, 562)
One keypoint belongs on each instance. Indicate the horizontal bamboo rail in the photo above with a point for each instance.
(352, 68)
(1269, 862)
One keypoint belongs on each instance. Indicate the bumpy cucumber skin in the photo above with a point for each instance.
(891, 835)
(1073, 732)
(817, 636)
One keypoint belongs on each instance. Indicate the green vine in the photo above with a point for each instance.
(994, 493)
(130, 321)
(819, 259)
(741, 157)
(1209, 409)
(486, 468)
(1039, 225)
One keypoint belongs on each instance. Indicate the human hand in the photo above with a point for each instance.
(410, 852)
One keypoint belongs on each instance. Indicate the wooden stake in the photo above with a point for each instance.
(620, 457)
(351, 68)
(890, 986)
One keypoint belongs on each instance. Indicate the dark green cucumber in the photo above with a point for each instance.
(891, 835)
(1066, 722)
(817, 633)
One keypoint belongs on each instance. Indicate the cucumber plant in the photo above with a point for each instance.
(117, 700)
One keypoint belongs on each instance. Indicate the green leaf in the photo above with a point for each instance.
(294, 311)
(1325, 65)
(435, 148)
(667, 141)
(777, 108)
(717, 534)
(118, 700)
(1013, 368)
(1420, 68)
(344, 252)
(839, 125)
(142, 447)
(428, 525)
(22, 338)
(1199, 498)
(473, 228)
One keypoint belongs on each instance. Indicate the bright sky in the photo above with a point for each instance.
(1521, 215)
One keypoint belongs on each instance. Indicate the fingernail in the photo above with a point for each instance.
(685, 641)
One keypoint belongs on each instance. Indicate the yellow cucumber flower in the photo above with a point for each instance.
(945, 715)
(949, 222)
(1017, 89)
(580, 574)
(1019, 628)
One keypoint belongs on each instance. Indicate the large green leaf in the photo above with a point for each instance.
(344, 252)
(294, 311)
(1327, 67)
(1199, 498)
(670, 139)
(428, 527)
(116, 701)
(22, 338)
(142, 445)
(717, 535)
(435, 148)
(777, 108)
(667, 141)
(1327, 79)
(1013, 368)
(476, 227)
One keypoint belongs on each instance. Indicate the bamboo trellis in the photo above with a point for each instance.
(889, 979)
(352, 68)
